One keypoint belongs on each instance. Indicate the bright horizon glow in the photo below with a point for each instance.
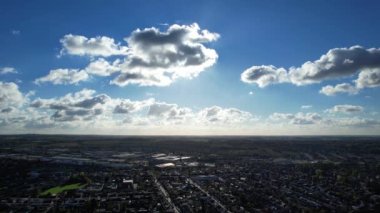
(198, 68)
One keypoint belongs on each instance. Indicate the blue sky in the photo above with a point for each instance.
(211, 97)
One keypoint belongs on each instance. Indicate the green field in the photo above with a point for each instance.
(59, 189)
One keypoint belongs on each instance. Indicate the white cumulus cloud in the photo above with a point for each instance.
(97, 46)
(101, 67)
(64, 76)
(264, 75)
(368, 78)
(339, 88)
(335, 64)
(88, 109)
(10, 95)
(150, 58)
(158, 58)
(219, 115)
(82, 105)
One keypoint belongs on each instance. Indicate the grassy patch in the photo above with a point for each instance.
(59, 189)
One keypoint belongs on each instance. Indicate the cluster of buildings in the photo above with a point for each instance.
(115, 181)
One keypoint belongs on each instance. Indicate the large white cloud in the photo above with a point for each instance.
(64, 76)
(152, 57)
(158, 58)
(98, 46)
(336, 63)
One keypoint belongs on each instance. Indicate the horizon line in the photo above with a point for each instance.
(187, 135)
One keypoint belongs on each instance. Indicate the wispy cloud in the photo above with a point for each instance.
(15, 32)
(7, 70)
